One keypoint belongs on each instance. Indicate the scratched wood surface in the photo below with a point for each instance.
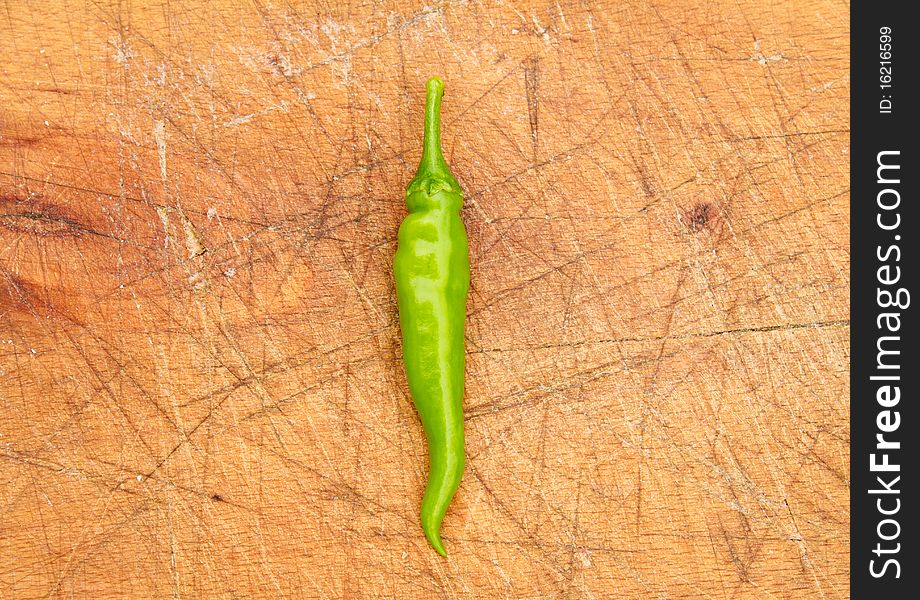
(200, 386)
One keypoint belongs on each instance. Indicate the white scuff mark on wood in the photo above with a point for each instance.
(163, 213)
(562, 16)
(197, 281)
(826, 86)
(240, 120)
(193, 244)
(159, 136)
(123, 52)
(204, 76)
(334, 41)
(286, 67)
(160, 79)
(273, 59)
(759, 56)
(212, 213)
(542, 31)
(192, 240)
(343, 66)
(282, 106)
(126, 134)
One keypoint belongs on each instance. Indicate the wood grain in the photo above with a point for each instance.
(200, 386)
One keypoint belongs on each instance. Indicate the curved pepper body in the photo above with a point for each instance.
(432, 280)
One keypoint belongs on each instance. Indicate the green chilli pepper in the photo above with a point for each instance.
(432, 268)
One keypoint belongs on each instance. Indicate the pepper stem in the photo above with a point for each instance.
(433, 164)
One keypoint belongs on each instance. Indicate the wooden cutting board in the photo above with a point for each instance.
(201, 391)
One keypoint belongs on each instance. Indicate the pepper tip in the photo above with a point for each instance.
(434, 538)
(431, 525)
